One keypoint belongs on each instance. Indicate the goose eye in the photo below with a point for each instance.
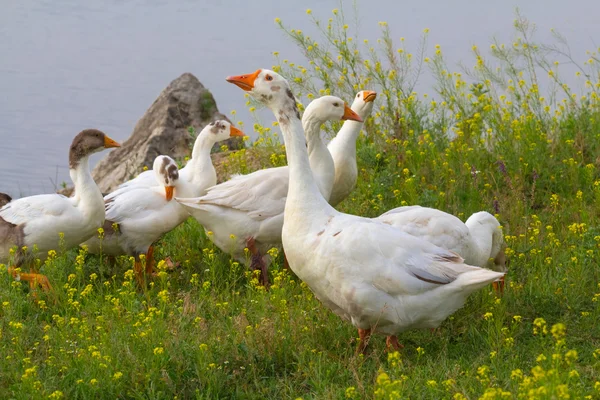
(358, 95)
(336, 104)
(269, 77)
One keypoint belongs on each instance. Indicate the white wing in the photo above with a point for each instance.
(260, 194)
(403, 263)
(434, 226)
(134, 203)
(146, 178)
(35, 207)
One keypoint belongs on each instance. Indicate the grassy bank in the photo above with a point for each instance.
(507, 136)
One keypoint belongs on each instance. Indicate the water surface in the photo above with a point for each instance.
(67, 65)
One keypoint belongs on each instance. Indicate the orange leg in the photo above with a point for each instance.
(33, 279)
(364, 335)
(150, 261)
(391, 342)
(258, 263)
(138, 271)
(499, 286)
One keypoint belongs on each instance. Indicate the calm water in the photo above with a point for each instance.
(66, 65)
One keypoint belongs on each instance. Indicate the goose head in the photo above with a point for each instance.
(167, 174)
(331, 108)
(221, 130)
(363, 103)
(267, 87)
(87, 142)
(484, 225)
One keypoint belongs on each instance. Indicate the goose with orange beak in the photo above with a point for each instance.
(138, 214)
(369, 273)
(138, 217)
(37, 224)
(247, 211)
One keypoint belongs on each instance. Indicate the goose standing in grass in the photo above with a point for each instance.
(4, 199)
(479, 240)
(198, 175)
(247, 210)
(367, 272)
(142, 215)
(343, 148)
(52, 221)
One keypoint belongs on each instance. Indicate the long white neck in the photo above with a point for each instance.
(303, 192)
(344, 143)
(319, 157)
(200, 165)
(87, 194)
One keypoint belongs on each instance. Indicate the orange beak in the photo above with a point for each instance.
(233, 131)
(245, 82)
(369, 95)
(169, 192)
(108, 143)
(351, 115)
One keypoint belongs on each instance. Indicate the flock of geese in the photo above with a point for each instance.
(409, 268)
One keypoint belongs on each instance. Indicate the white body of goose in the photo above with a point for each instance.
(367, 272)
(247, 210)
(143, 214)
(479, 240)
(343, 148)
(42, 220)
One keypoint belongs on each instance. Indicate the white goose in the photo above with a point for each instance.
(142, 214)
(479, 240)
(198, 175)
(343, 148)
(42, 220)
(199, 171)
(370, 273)
(247, 210)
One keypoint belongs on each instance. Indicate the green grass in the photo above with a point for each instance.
(206, 330)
